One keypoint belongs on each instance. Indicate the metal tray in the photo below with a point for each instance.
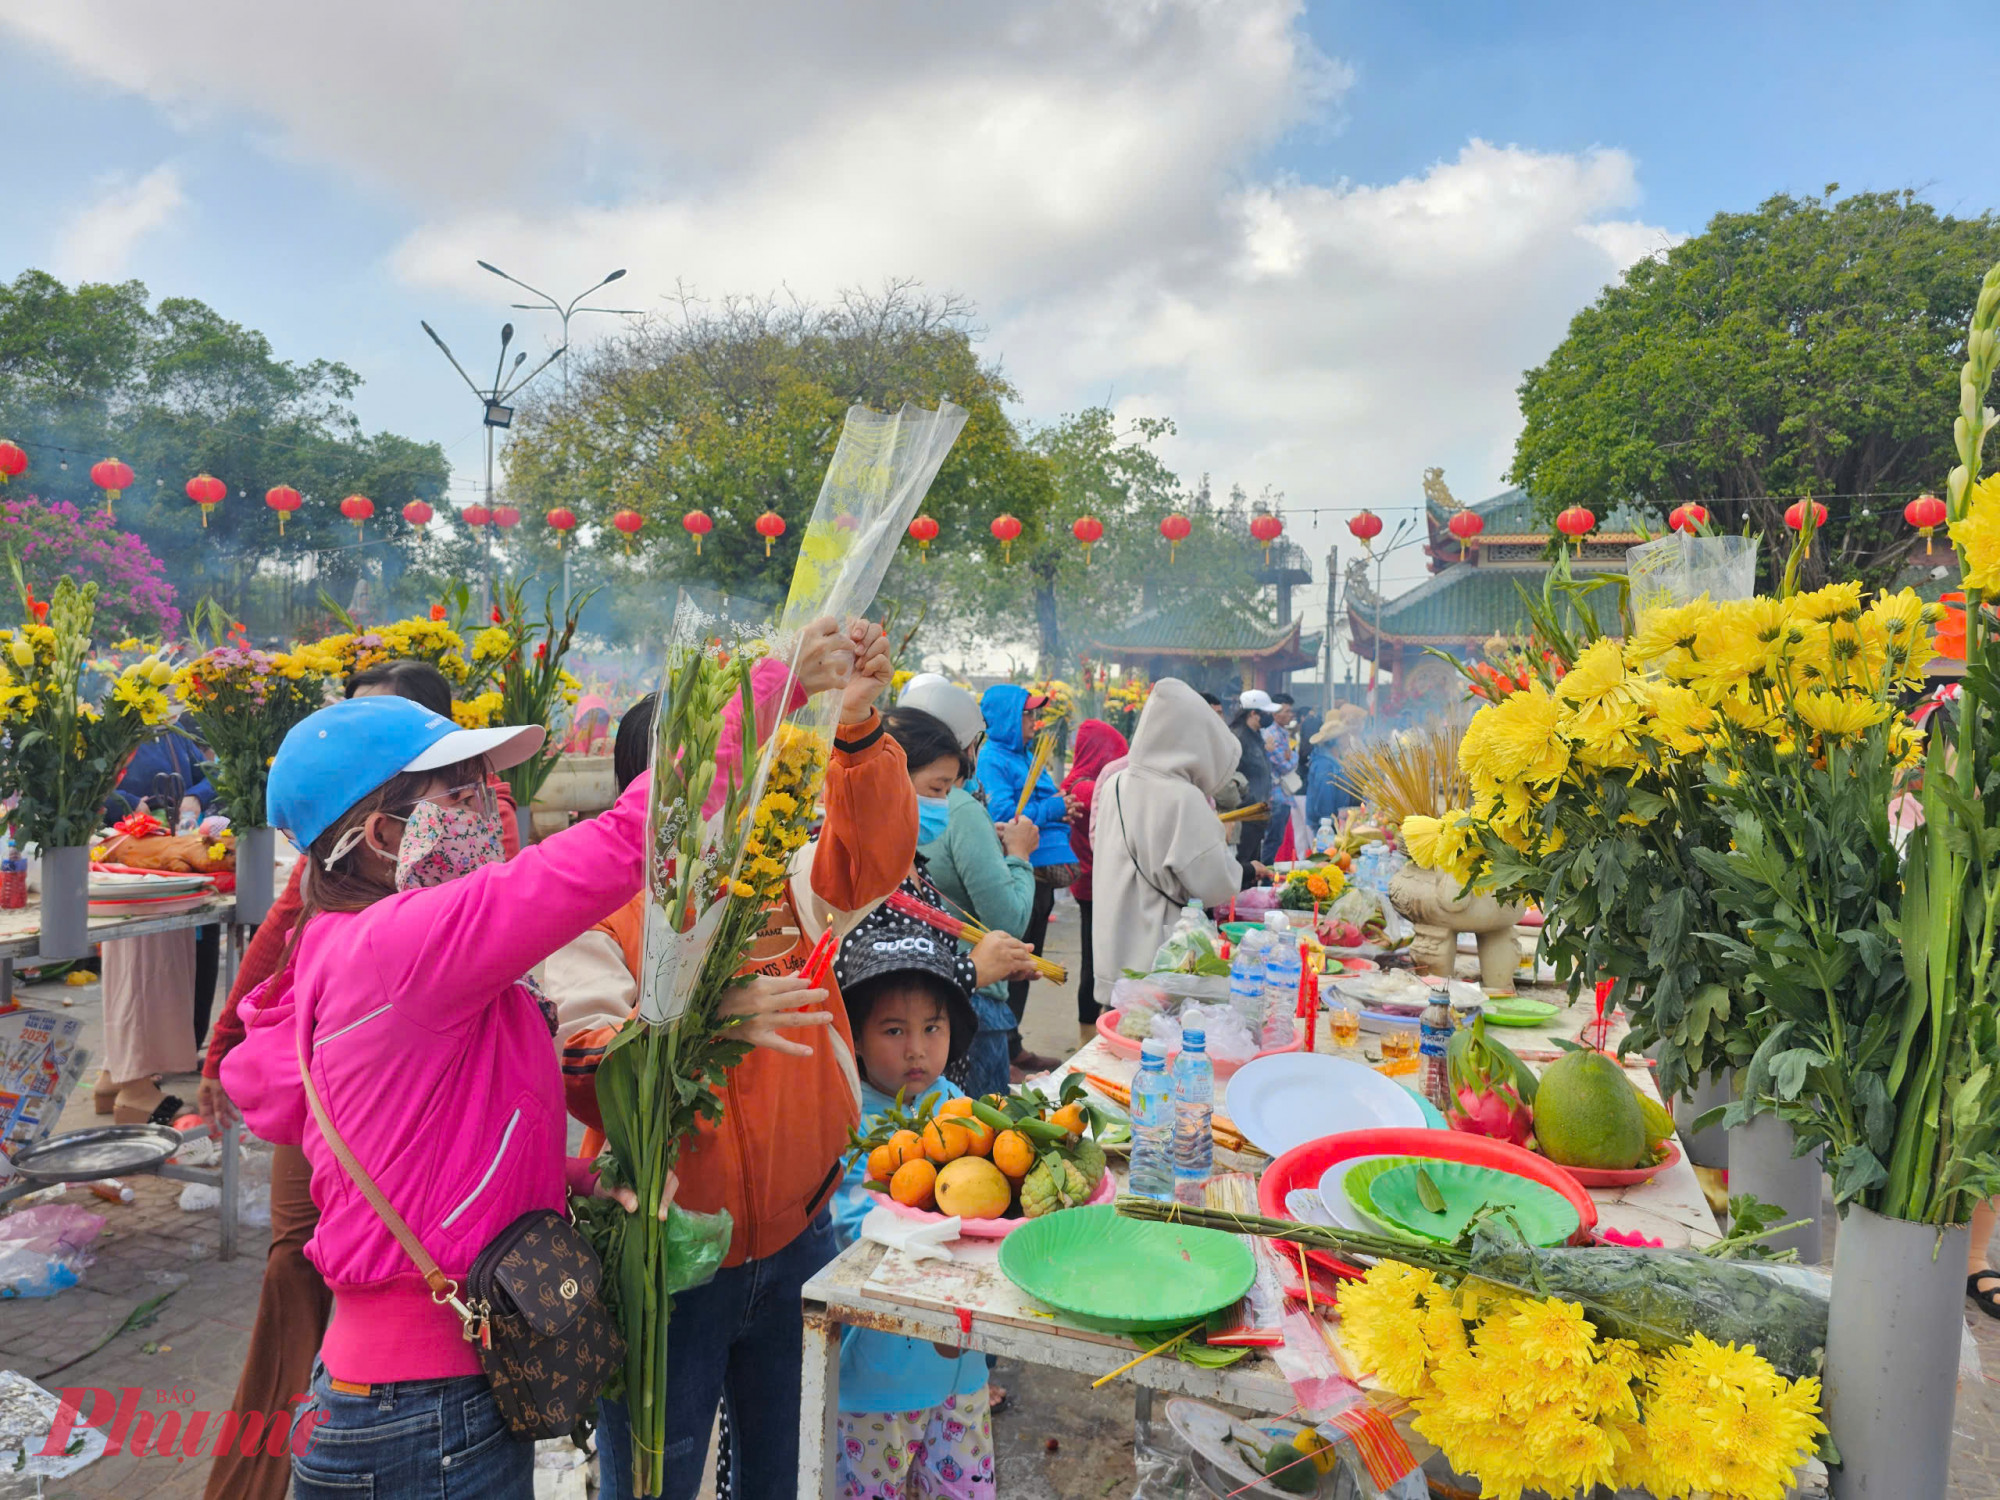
(89, 1155)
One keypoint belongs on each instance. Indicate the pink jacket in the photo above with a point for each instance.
(437, 1069)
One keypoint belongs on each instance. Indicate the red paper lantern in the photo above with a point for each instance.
(1087, 530)
(111, 476)
(13, 459)
(358, 508)
(629, 522)
(476, 516)
(284, 500)
(1574, 523)
(1926, 513)
(208, 492)
(697, 524)
(1689, 518)
(925, 530)
(1365, 527)
(1175, 528)
(417, 513)
(1266, 529)
(1005, 528)
(770, 526)
(562, 520)
(506, 517)
(1795, 517)
(1466, 526)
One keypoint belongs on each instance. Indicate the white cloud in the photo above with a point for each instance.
(97, 241)
(1089, 171)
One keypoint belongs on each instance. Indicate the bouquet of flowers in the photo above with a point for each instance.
(731, 804)
(475, 702)
(527, 664)
(244, 702)
(66, 729)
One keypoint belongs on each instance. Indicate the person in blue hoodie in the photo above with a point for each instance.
(1004, 759)
(914, 1416)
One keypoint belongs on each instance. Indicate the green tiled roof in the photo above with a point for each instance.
(1512, 513)
(1460, 603)
(1204, 625)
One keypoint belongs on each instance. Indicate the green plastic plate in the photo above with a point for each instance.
(1116, 1273)
(1545, 1217)
(1520, 1012)
(1358, 1182)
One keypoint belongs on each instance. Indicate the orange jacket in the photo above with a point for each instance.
(775, 1157)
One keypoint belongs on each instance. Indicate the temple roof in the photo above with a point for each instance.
(1206, 627)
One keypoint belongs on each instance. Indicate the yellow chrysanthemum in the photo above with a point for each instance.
(1976, 534)
(1838, 713)
(1666, 635)
(1515, 740)
(1837, 601)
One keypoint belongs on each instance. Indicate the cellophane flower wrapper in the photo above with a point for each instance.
(730, 806)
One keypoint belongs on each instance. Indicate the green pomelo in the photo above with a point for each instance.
(1587, 1115)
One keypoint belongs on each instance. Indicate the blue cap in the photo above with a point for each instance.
(1193, 1039)
(337, 756)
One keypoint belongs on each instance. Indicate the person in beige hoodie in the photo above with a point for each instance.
(1159, 843)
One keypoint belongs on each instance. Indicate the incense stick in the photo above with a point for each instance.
(1244, 814)
(963, 928)
(1045, 748)
(1156, 1349)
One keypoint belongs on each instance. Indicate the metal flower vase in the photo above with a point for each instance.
(256, 873)
(1892, 1343)
(1709, 1147)
(65, 917)
(1761, 1164)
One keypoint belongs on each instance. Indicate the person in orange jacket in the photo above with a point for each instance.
(774, 1159)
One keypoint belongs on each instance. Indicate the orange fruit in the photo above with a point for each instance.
(955, 1107)
(1070, 1117)
(946, 1139)
(908, 1146)
(980, 1137)
(1013, 1155)
(915, 1184)
(882, 1163)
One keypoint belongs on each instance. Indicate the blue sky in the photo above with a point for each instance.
(1268, 223)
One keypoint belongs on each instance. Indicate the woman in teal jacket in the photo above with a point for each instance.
(1003, 771)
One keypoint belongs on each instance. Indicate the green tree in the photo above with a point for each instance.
(178, 390)
(1802, 349)
(1052, 597)
(735, 410)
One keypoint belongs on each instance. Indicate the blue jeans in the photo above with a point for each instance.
(737, 1340)
(413, 1440)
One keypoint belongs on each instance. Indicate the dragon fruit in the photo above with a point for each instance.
(1492, 1091)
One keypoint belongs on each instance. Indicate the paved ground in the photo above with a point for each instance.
(1057, 1439)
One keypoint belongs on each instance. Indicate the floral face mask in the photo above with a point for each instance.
(443, 843)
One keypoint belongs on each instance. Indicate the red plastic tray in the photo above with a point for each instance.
(1604, 1177)
(1124, 1046)
(1303, 1166)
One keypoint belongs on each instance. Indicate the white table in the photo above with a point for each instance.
(20, 937)
(970, 1303)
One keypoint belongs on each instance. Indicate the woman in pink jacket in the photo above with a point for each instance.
(434, 1065)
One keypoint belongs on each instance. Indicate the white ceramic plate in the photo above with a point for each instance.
(1284, 1101)
(1337, 1206)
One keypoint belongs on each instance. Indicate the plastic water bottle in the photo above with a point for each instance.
(1434, 1041)
(1194, 1110)
(1281, 990)
(1246, 981)
(1152, 1174)
(1324, 837)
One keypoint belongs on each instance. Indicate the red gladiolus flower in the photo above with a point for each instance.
(497, 618)
(541, 651)
(437, 611)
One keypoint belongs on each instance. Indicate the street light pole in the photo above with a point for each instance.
(564, 311)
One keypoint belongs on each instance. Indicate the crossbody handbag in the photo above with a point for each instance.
(531, 1307)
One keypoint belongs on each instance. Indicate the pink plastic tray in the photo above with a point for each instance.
(1124, 1046)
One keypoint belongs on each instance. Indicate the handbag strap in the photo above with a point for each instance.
(443, 1289)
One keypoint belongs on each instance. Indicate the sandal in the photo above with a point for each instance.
(1988, 1297)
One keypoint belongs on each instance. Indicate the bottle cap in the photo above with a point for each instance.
(1193, 1039)
(1152, 1053)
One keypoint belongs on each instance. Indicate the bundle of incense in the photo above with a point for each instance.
(1226, 1135)
(1045, 749)
(1244, 814)
(969, 931)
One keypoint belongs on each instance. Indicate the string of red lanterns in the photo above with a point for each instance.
(1689, 518)
(1466, 526)
(629, 522)
(1795, 517)
(358, 508)
(925, 530)
(476, 516)
(506, 517)
(284, 500)
(1266, 529)
(13, 461)
(417, 513)
(562, 521)
(1175, 528)
(1087, 529)
(1005, 528)
(1365, 527)
(1575, 523)
(114, 477)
